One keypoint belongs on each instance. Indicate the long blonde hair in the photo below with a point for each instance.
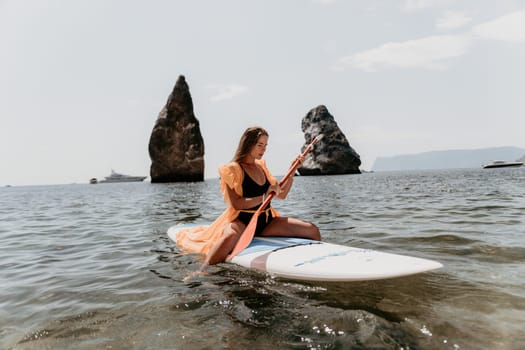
(248, 140)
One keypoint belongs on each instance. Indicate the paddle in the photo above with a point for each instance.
(249, 231)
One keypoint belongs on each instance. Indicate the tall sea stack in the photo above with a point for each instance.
(176, 147)
(333, 155)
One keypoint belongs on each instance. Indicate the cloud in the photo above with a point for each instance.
(452, 20)
(226, 92)
(435, 52)
(414, 5)
(324, 2)
(510, 28)
(431, 53)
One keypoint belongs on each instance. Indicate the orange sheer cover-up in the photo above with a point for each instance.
(200, 239)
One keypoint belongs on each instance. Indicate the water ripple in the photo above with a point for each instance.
(90, 266)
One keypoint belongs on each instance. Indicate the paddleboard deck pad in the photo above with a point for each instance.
(308, 260)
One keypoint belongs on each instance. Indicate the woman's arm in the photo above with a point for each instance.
(285, 188)
(240, 203)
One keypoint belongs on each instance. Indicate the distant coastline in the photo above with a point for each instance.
(448, 159)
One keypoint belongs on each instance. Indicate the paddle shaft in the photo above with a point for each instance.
(249, 231)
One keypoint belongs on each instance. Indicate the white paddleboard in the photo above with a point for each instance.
(304, 259)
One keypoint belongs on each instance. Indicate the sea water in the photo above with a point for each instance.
(91, 267)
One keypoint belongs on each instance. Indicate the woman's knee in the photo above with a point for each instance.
(224, 246)
(314, 232)
(235, 227)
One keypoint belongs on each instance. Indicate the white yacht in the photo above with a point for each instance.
(502, 164)
(116, 177)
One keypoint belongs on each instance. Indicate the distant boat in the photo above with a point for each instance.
(116, 177)
(502, 164)
(93, 180)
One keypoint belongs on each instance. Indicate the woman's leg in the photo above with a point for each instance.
(220, 250)
(291, 227)
(225, 245)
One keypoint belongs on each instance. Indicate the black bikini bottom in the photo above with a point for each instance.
(262, 221)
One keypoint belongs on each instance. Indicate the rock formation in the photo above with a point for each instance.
(333, 155)
(176, 147)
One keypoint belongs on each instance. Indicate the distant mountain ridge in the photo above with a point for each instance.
(450, 159)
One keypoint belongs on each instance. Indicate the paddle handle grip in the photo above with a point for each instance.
(295, 164)
(290, 171)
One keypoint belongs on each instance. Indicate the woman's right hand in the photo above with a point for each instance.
(274, 188)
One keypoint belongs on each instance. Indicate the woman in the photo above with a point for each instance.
(245, 182)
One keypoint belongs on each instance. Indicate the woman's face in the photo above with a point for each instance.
(259, 148)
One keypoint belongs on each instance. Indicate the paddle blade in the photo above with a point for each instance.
(246, 237)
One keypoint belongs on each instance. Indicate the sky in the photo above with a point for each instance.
(82, 81)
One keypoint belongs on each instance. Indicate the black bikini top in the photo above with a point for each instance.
(250, 188)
